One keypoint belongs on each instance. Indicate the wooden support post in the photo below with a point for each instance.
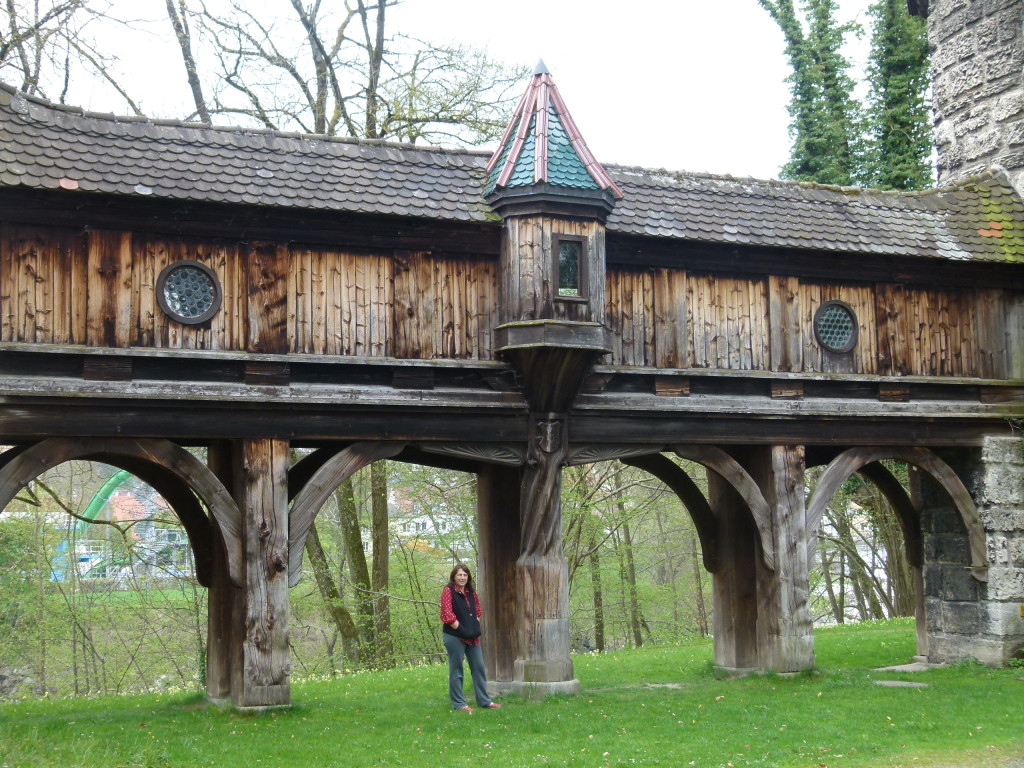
(223, 645)
(247, 654)
(785, 639)
(543, 666)
(735, 586)
(498, 505)
(223, 649)
(262, 678)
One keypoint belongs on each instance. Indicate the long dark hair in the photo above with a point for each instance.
(469, 582)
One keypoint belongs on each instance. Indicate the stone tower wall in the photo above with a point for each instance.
(978, 86)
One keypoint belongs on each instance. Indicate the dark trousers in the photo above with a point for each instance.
(457, 651)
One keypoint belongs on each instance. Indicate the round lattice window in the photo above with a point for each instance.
(189, 292)
(835, 325)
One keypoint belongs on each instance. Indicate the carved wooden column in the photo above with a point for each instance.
(248, 652)
(554, 198)
(543, 665)
(785, 638)
(499, 490)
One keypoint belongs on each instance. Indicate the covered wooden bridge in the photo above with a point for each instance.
(167, 285)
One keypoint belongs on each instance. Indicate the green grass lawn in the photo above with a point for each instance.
(653, 707)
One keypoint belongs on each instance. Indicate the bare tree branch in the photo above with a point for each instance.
(179, 20)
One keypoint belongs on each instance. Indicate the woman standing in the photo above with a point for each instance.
(460, 614)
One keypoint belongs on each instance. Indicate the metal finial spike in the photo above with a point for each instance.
(541, 69)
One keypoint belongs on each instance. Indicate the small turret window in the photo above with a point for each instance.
(570, 266)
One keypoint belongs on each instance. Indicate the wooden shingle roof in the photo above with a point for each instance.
(46, 146)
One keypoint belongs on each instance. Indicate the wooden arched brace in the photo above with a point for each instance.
(730, 470)
(321, 485)
(9, 455)
(171, 458)
(182, 500)
(848, 462)
(672, 475)
(908, 515)
(819, 455)
(301, 471)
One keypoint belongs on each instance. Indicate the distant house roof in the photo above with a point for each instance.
(47, 146)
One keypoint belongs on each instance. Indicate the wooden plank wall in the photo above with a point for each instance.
(444, 307)
(672, 319)
(942, 333)
(42, 285)
(630, 297)
(817, 359)
(339, 303)
(69, 286)
(528, 291)
(728, 319)
(152, 328)
(66, 286)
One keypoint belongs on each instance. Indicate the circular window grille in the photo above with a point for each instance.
(189, 292)
(835, 325)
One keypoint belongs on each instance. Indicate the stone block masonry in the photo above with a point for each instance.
(968, 618)
(978, 86)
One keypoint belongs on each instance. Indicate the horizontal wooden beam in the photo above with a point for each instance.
(647, 429)
(199, 422)
(202, 422)
(240, 222)
(634, 251)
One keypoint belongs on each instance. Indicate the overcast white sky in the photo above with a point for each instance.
(692, 85)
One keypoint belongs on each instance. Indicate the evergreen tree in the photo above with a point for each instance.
(835, 140)
(899, 116)
(827, 122)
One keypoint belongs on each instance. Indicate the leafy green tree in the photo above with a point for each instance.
(899, 117)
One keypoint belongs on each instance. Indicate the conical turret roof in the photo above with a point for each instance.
(543, 148)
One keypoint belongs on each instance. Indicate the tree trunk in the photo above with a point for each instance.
(332, 597)
(830, 591)
(595, 582)
(184, 36)
(629, 570)
(670, 567)
(383, 650)
(348, 519)
(698, 582)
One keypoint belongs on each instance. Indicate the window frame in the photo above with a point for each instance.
(161, 299)
(557, 239)
(854, 337)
